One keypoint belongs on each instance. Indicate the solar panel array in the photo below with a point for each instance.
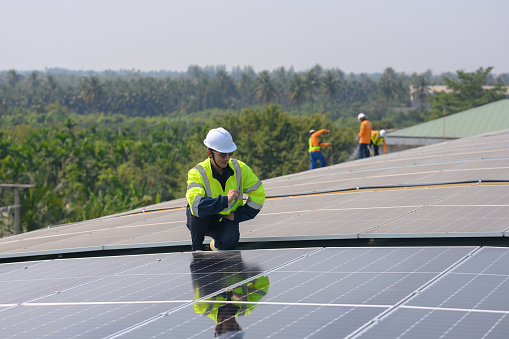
(454, 189)
(307, 292)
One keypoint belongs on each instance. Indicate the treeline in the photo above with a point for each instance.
(326, 91)
(83, 173)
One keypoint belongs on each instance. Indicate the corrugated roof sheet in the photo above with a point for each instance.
(480, 120)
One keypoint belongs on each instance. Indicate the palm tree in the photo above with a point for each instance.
(33, 83)
(225, 88)
(246, 87)
(265, 89)
(420, 89)
(312, 79)
(13, 78)
(52, 86)
(388, 86)
(195, 72)
(92, 91)
(297, 90)
(331, 87)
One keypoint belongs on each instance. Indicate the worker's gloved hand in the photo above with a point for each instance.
(328, 131)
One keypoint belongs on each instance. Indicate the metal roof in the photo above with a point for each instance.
(480, 120)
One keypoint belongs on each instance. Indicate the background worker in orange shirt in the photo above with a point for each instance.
(365, 136)
(314, 148)
(376, 139)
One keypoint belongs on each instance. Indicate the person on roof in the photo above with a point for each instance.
(364, 135)
(378, 137)
(314, 148)
(215, 189)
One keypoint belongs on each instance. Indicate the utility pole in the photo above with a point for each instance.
(17, 203)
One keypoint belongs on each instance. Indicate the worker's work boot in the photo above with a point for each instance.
(213, 246)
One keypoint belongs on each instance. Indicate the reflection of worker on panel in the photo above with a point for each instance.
(214, 272)
(376, 139)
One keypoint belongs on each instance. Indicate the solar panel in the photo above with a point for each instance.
(368, 199)
(326, 292)
(477, 211)
(468, 301)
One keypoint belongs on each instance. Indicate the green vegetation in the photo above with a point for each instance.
(464, 94)
(100, 144)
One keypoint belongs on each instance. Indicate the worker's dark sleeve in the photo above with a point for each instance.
(244, 213)
(210, 206)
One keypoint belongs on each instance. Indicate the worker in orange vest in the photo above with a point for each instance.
(365, 136)
(376, 139)
(314, 148)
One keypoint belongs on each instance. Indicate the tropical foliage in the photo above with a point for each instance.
(464, 94)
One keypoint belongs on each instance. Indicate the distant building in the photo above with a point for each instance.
(484, 119)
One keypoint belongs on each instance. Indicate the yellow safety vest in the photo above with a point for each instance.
(377, 140)
(313, 148)
(201, 183)
(253, 291)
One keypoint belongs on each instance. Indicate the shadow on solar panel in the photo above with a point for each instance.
(225, 287)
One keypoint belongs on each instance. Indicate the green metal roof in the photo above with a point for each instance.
(483, 119)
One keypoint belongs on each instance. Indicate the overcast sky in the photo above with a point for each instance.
(359, 36)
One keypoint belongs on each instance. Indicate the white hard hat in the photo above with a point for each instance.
(361, 116)
(220, 140)
(312, 131)
(382, 133)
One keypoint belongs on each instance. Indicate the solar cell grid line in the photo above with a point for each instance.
(15, 318)
(380, 166)
(93, 237)
(330, 220)
(378, 173)
(170, 327)
(298, 301)
(71, 315)
(107, 312)
(373, 322)
(45, 236)
(58, 275)
(482, 195)
(226, 287)
(381, 225)
(478, 212)
(74, 286)
(133, 285)
(471, 301)
(354, 287)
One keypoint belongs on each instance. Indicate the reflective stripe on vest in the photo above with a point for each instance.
(313, 148)
(377, 140)
(208, 190)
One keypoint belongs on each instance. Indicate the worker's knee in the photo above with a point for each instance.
(228, 240)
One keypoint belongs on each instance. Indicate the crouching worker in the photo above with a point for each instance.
(215, 189)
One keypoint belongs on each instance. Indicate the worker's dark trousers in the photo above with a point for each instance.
(225, 233)
(316, 156)
(375, 148)
(363, 151)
